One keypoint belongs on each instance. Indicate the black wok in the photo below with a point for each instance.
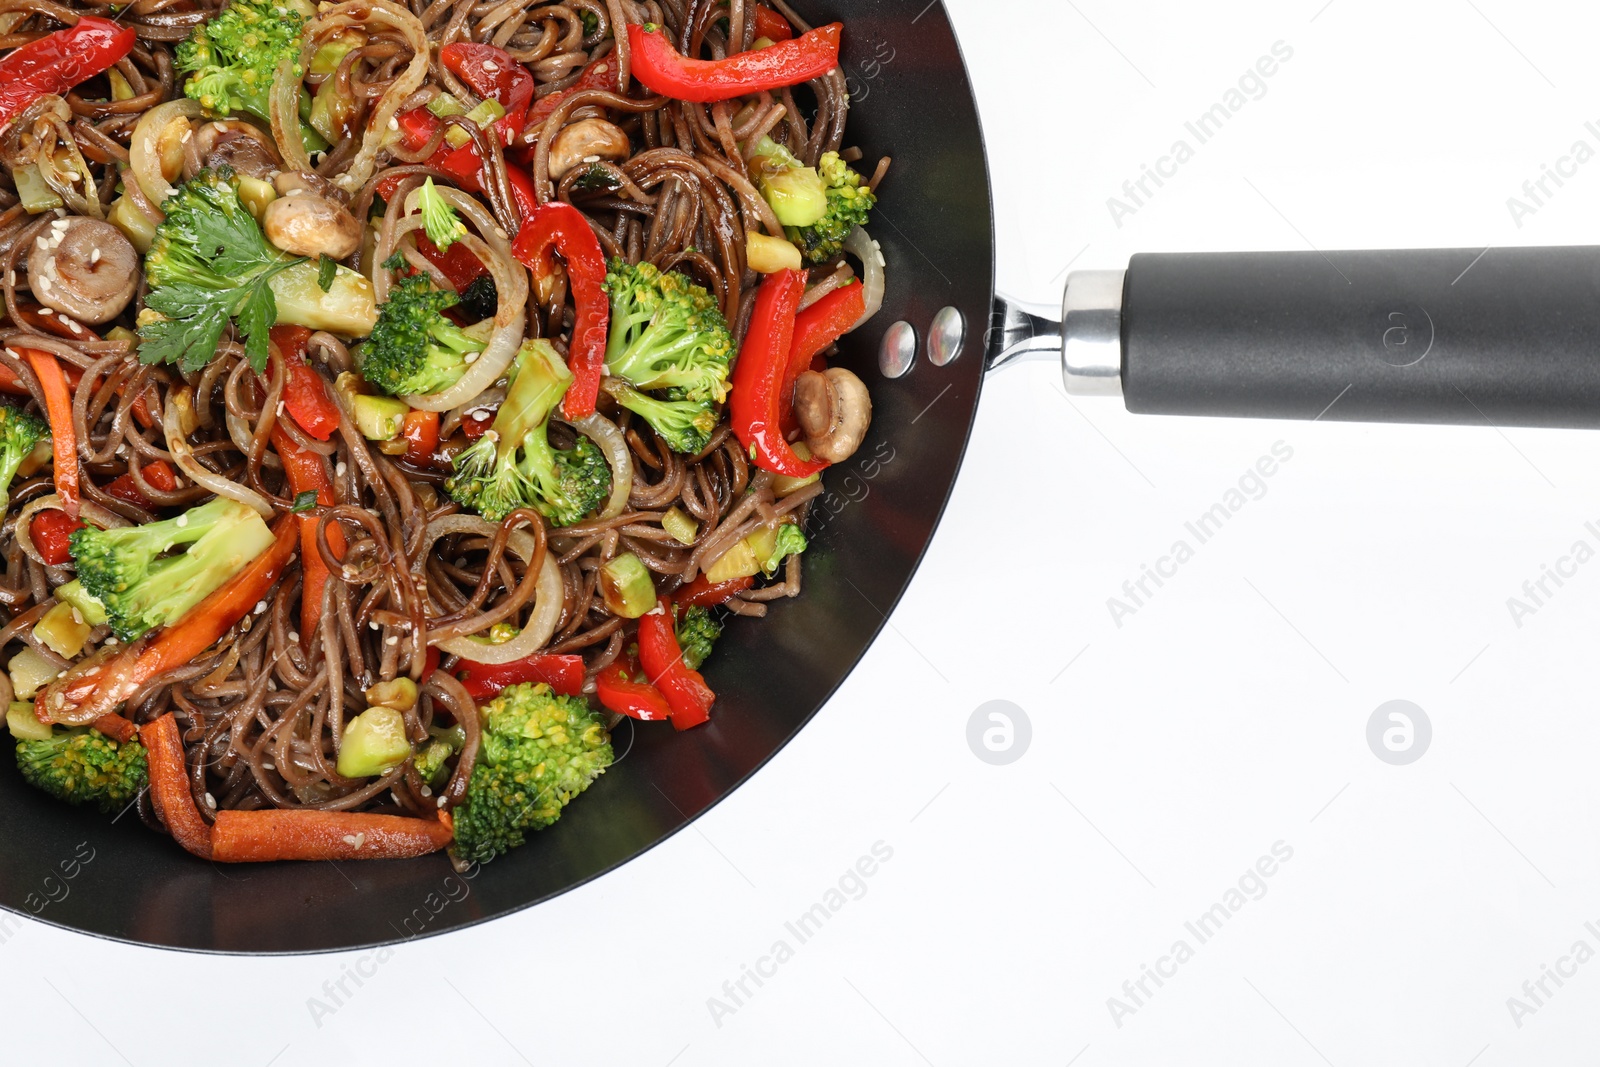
(913, 102)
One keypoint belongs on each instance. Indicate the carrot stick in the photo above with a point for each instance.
(64, 442)
(262, 836)
(169, 786)
(115, 727)
(306, 473)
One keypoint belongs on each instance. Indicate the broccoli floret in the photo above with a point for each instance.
(20, 432)
(443, 744)
(514, 465)
(539, 751)
(791, 541)
(125, 569)
(234, 55)
(697, 633)
(83, 766)
(414, 350)
(849, 202)
(797, 194)
(666, 333)
(439, 220)
(685, 425)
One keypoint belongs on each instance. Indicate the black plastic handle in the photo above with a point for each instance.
(1507, 336)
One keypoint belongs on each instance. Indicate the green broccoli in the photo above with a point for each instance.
(414, 350)
(514, 465)
(20, 432)
(480, 299)
(234, 56)
(666, 333)
(697, 633)
(125, 569)
(849, 202)
(210, 262)
(439, 220)
(83, 766)
(539, 751)
(685, 425)
(796, 193)
(442, 745)
(790, 541)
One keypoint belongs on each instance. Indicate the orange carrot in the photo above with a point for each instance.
(64, 441)
(116, 727)
(262, 836)
(169, 786)
(307, 472)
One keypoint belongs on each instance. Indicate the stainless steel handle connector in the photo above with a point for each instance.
(1091, 333)
(1087, 338)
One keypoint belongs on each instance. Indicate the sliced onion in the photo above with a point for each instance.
(144, 151)
(548, 596)
(88, 511)
(183, 456)
(603, 432)
(867, 251)
(283, 108)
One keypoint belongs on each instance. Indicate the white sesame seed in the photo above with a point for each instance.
(58, 700)
(186, 135)
(427, 792)
(394, 123)
(280, 409)
(77, 616)
(372, 626)
(45, 311)
(352, 840)
(441, 802)
(591, 159)
(391, 640)
(42, 283)
(268, 766)
(183, 520)
(94, 257)
(294, 637)
(469, 357)
(261, 607)
(339, 469)
(211, 802)
(111, 639)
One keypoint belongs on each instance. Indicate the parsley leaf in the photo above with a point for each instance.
(304, 502)
(326, 268)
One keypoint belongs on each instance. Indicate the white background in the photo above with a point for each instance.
(1227, 715)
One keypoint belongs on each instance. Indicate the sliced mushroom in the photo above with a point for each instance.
(586, 141)
(305, 224)
(83, 268)
(240, 145)
(834, 410)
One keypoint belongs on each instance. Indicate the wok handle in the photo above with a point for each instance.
(1507, 336)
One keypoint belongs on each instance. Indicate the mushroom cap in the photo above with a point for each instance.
(834, 410)
(84, 268)
(305, 224)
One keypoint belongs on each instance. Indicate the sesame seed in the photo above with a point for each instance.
(391, 640)
(294, 637)
(211, 802)
(111, 639)
(186, 135)
(261, 607)
(94, 257)
(45, 311)
(441, 802)
(269, 766)
(394, 123)
(183, 520)
(280, 409)
(339, 469)
(469, 357)
(591, 159)
(372, 626)
(77, 616)
(426, 791)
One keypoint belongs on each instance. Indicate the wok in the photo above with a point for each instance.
(1497, 336)
(868, 534)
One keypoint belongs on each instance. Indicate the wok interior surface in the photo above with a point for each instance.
(911, 100)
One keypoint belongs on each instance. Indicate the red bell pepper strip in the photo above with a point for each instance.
(307, 472)
(560, 227)
(483, 681)
(305, 395)
(269, 835)
(493, 74)
(523, 198)
(169, 786)
(619, 692)
(458, 264)
(756, 403)
(706, 594)
(815, 328)
(51, 531)
(473, 426)
(157, 475)
(771, 25)
(420, 431)
(63, 439)
(58, 61)
(686, 691)
(661, 68)
(463, 165)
